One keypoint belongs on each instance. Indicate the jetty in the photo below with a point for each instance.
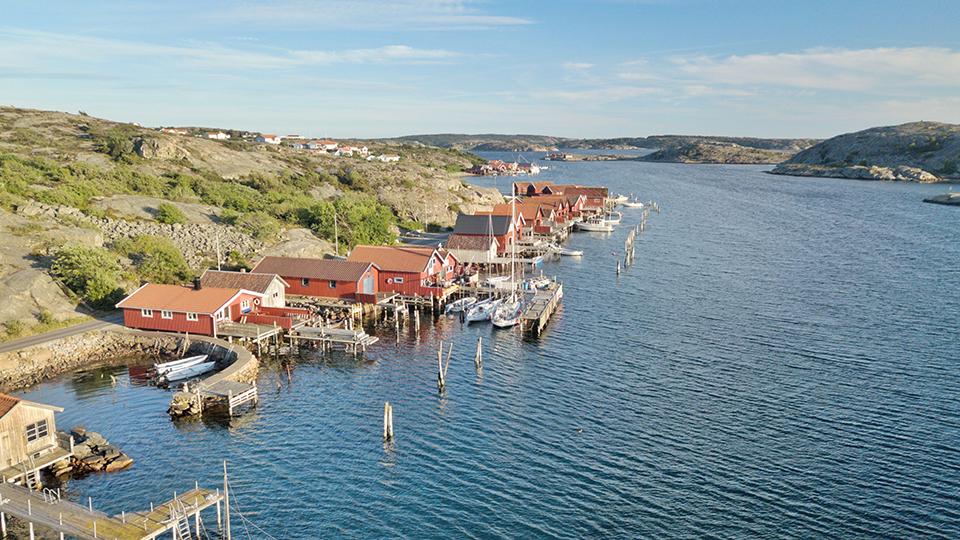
(354, 341)
(537, 312)
(47, 509)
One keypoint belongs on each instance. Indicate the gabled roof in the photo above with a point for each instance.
(395, 258)
(207, 300)
(588, 191)
(329, 269)
(472, 243)
(251, 281)
(7, 403)
(523, 187)
(483, 224)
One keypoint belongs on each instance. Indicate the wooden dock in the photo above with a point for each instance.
(537, 311)
(46, 509)
(351, 340)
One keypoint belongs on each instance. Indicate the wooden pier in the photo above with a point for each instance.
(46, 509)
(351, 340)
(537, 311)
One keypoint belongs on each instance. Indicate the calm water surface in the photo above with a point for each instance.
(781, 362)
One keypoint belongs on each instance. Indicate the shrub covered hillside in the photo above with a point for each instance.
(90, 207)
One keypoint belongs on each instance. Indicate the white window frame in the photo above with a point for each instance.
(166, 314)
(398, 279)
(146, 313)
(192, 317)
(333, 283)
(37, 430)
(305, 282)
(245, 304)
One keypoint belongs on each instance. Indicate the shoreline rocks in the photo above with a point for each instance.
(92, 453)
(900, 173)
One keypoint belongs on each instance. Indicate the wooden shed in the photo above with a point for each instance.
(28, 438)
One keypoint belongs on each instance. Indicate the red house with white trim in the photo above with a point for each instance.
(409, 270)
(175, 308)
(325, 278)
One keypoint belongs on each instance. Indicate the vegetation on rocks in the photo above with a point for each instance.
(91, 273)
(156, 259)
(170, 214)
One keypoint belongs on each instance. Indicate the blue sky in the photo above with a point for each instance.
(370, 68)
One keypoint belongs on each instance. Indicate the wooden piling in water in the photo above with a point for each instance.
(387, 421)
(478, 358)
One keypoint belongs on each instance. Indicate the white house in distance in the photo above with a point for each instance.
(385, 158)
(218, 136)
(269, 138)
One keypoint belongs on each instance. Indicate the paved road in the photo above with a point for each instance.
(21, 343)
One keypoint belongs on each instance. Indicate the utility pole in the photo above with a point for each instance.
(219, 258)
(336, 233)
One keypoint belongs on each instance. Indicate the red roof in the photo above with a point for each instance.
(207, 300)
(329, 269)
(394, 258)
(7, 403)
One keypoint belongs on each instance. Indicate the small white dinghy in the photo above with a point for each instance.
(166, 367)
(189, 372)
(632, 204)
(567, 252)
(462, 304)
(620, 198)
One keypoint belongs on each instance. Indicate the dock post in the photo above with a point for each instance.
(3, 524)
(94, 530)
(387, 422)
(416, 321)
(440, 382)
(478, 359)
(196, 523)
(90, 504)
(618, 266)
(61, 525)
(226, 502)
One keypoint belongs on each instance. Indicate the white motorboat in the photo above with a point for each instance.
(618, 199)
(537, 283)
(189, 372)
(632, 204)
(596, 224)
(166, 367)
(462, 304)
(613, 218)
(567, 252)
(507, 314)
(482, 311)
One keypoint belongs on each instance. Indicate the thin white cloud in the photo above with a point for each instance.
(831, 69)
(31, 49)
(577, 66)
(599, 95)
(366, 14)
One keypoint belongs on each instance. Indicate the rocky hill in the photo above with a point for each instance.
(914, 152)
(543, 143)
(159, 206)
(715, 152)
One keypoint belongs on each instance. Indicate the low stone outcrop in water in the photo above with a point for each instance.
(916, 152)
(949, 199)
(92, 452)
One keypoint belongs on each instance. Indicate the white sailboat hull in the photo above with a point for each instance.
(188, 372)
(183, 363)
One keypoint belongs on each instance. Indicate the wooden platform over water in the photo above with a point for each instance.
(538, 310)
(76, 521)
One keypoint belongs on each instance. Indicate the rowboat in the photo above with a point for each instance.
(460, 305)
(567, 252)
(183, 363)
(189, 372)
(632, 204)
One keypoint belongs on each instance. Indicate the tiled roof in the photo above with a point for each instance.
(330, 269)
(7, 403)
(251, 281)
(178, 298)
(482, 224)
(394, 258)
(467, 242)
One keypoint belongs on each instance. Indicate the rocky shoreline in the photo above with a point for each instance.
(901, 173)
(92, 452)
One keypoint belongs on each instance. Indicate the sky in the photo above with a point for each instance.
(378, 68)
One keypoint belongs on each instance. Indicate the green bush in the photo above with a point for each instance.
(13, 328)
(156, 259)
(361, 219)
(92, 273)
(259, 225)
(170, 214)
(45, 317)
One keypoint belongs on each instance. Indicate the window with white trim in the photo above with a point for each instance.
(36, 431)
(148, 313)
(164, 314)
(398, 279)
(305, 281)
(244, 304)
(333, 284)
(192, 317)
